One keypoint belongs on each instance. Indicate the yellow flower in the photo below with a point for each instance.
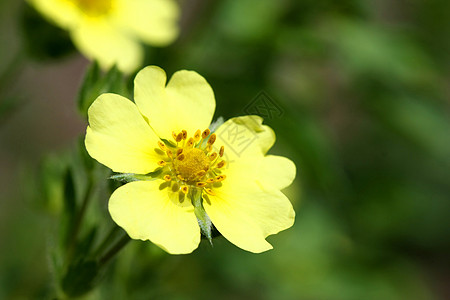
(109, 31)
(196, 176)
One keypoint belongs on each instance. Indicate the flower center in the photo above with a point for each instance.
(191, 163)
(93, 7)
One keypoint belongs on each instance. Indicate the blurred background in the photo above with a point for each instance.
(357, 92)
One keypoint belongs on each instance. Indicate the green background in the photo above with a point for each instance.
(362, 98)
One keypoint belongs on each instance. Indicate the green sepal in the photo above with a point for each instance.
(168, 143)
(130, 177)
(204, 222)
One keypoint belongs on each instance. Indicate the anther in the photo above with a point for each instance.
(185, 189)
(161, 163)
(174, 135)
(179, 137)
(181, 157)
(210, 191)
(167, 178)
(212, 139)
(213, 156)
(201, 173)
(190, 143)
(201, 184)
(210, 180)
(169, 153)
(184, 133)
(206, 133)
(221, 151)
(220, 178)
(197, 135)
(162, 146)
(221, 164)
(179, 151)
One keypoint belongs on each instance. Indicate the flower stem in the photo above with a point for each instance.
(79, 219)
(114, 250)
(106, 241)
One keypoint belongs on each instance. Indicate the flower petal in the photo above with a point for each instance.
(154, 21)
(99, 40)
(244, 137)
(187, 102)
(277, 171)
(246, 210)
(119, 137)
(63, 13)
(147, 212)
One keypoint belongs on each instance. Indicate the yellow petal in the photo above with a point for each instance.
(147, 212)
(100, 40)
(61, 12)
(277, 171)
(245, 210)
(153, 21)
(187, 102)
(119, 137)
(244, 137)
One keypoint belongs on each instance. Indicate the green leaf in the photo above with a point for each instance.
(80, 278)
(94, 84)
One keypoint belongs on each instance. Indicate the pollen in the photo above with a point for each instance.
(206, 133)
(162, 146)
(221, 164)
(221, 178)
(212, 139)
(197, 135)
(185, 189)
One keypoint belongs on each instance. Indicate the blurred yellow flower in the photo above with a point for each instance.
(109, 31)
(195, 177)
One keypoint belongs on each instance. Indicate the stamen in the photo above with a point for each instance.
(181, 157)
(184, 133)
(161, 163)
(221, 164)
(179, 151)
(201, 173)
(167, 178)
(213, 156)
(185, 189)
(210, 180)
(197, 135)
(201, 184)
(169, 153)
(212, 139)
(174, 135)
(206, 133)
(180, 177)
(220, 178)
(162, 146)
(221, 151)
(179, 137)
(190, 143)
(210, 191)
